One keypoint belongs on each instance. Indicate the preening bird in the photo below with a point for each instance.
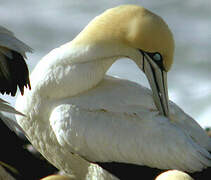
(81, 119)
(13, 68)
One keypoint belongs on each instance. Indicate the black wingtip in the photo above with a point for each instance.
(13, 73)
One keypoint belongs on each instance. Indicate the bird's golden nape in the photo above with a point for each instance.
(156, 74)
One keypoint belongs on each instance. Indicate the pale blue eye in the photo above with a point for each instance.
(157, 57)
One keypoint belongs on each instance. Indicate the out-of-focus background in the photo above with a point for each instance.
(45, 25)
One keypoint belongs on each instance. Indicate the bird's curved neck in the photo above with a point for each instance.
(54, 80)
(68, 76)
(71, 80)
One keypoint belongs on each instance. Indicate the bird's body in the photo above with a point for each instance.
(76, 116)
(100, 126)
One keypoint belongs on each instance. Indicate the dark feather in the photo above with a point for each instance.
(13, 73)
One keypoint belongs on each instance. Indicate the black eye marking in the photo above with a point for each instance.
(156, 57)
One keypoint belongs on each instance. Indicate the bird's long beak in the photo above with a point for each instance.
(157, 78)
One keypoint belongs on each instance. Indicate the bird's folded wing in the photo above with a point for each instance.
(141, 137)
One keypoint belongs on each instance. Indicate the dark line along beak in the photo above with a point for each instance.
(157, 78)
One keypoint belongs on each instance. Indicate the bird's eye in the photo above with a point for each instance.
(157, 57)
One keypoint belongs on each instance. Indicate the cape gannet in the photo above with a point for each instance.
(78, 117)
(13, 68)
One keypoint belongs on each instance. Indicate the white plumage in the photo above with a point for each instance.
(102, 126)
(75, 115)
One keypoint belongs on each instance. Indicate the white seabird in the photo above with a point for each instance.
(76, 116)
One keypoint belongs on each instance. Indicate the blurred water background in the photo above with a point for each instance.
(45, 25)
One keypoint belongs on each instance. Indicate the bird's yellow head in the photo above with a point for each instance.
(150, 33)
(135, 32)
(132, 26)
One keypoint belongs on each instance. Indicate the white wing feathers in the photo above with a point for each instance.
(124, 130)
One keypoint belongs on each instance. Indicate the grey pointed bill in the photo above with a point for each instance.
(157, 78)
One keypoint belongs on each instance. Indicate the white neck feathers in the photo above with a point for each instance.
(65, 80)
(57, 76)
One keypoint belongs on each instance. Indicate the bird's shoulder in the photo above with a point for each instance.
(115, 94)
